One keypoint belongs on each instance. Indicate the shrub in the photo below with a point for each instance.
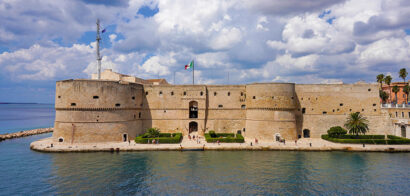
(336, 131)
(153, 132)
(212, 133)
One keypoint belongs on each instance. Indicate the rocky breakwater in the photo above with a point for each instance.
(25, 133)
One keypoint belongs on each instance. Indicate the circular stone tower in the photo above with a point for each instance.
(270, 111)
(89, 111)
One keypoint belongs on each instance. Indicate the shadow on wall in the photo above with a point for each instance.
(146, 115)
(299, 117)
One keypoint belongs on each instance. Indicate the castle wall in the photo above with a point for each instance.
(321, 106)
(103, 111)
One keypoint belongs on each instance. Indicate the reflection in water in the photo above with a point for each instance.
(228, 173)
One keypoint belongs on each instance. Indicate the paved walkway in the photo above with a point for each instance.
(186, 144)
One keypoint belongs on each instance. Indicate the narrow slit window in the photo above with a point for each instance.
(202, 93)
(73, 104)
(172, 93)
(184, 92)
(117, 105)
(229, 93)
(303, 110)
(95, 97)
(139, 114)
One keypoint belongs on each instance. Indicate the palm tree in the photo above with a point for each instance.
(383, 95)
(357, 123)
(406, 89)
(395, 91)
(388, 80)
(403, 74)
(380, 79)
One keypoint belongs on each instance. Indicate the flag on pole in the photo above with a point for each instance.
(103, 31)
(190, 65)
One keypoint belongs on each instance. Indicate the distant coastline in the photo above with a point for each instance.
(4, 103)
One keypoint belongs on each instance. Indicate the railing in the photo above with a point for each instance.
(393, 105)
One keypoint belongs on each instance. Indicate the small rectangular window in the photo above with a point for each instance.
(341, 104)
(184, 92)
(229, 93)
(160, 92)
(241, 93)
(303, 110)
(243, 106)
(324, 112)
(172, 93)
(214, 93)
(133, 98)
(220, 106)
(254, 97)
(402, 114)
(95, 97)
(73, 104)
(59, 97)
(117, 105)
(139, 115)
(202, 93)
(146, 93)
(374, 104)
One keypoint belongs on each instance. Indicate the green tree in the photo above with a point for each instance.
(380, 79)
(388, 80)
(395, 91)
(357, 123)
(153, 132)
(383, 95)
(406, 89)
(403, 74)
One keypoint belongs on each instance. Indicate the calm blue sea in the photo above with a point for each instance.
(18, 117)
(26, 172)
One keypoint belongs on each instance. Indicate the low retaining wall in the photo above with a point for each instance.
(46, 145)
(25, 133)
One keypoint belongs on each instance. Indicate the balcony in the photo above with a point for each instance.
(393, 105)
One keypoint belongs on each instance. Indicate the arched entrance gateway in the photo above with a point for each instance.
(193, 127)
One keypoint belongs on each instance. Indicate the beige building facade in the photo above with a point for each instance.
(119, 107)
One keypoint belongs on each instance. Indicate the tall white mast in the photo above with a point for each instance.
(98, 49)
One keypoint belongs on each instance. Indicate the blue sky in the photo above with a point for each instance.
(310, 41)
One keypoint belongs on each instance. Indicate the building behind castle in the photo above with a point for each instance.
(119, 107)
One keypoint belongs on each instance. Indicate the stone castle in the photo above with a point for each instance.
(119, 107)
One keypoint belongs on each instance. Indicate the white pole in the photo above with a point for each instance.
(98, 39)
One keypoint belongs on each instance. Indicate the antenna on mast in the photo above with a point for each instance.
(98, 39)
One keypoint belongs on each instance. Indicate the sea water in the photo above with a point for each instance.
(18, 117)
(27, 172)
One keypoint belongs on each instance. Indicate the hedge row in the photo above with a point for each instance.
(165, 138)
(226, 138)
(359, 137)
(367, 141)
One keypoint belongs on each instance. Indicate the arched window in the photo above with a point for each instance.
(193, 109)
